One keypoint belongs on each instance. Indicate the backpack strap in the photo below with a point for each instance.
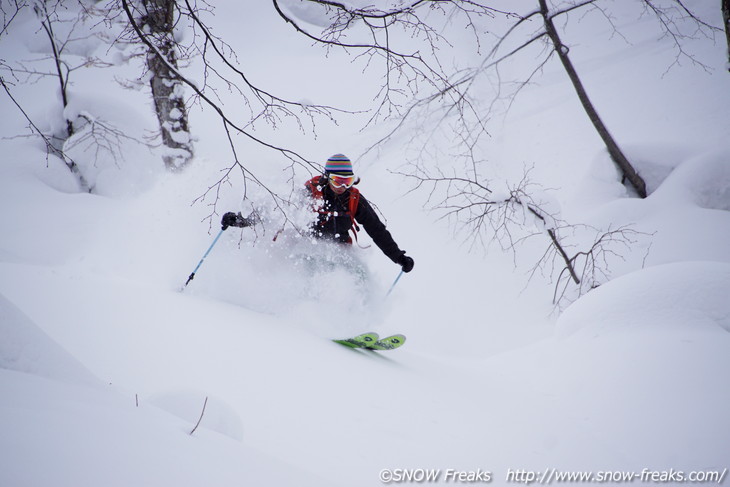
(354, 202)
(352, 209)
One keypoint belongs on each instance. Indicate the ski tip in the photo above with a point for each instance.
(360, 341)
(389, 343)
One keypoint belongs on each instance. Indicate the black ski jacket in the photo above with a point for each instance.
(334, 222)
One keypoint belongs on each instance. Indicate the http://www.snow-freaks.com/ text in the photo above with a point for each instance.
(549, 476)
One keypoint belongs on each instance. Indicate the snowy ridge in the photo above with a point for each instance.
(694, 292)
(26, 348)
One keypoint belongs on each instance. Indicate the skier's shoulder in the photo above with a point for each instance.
(364, 209)
(314, 184)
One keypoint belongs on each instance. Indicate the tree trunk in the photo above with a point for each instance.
(167, 89)
(726, 19)
(630, 174)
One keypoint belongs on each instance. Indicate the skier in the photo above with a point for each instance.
(340, 208)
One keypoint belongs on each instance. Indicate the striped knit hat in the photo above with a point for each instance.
(339, 164)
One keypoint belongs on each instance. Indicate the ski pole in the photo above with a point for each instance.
(192, 275)
(394, 283)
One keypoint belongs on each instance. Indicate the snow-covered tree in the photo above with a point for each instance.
(154, 22)
(64, 27)
(726, 19)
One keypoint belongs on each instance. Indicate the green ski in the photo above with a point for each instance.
(360, 341)
(388, 343)
(371, 341)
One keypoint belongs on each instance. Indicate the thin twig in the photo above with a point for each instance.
(201, 416)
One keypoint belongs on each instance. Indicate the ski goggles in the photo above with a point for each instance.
(340, 181)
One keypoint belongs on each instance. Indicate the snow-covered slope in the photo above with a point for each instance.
(106, 366)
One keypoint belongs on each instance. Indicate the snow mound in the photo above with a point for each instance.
(671, 174)
(26, 348)
(188, 406)
(703, 181)
(69, 435)
(663, 296)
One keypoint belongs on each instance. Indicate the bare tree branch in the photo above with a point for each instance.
(680, 24)
(637, 182)
(726, 21)
(229, 125)
(50, 146)
(511, 218)
(9, 14)
(42, 12)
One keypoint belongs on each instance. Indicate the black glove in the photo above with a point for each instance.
(406, 263)
(231, 219)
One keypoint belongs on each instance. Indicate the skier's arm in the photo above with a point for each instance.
(366, 216)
